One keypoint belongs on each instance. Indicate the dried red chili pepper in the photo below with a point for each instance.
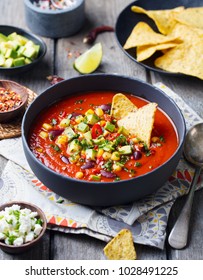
(92, 35)
(54, 79)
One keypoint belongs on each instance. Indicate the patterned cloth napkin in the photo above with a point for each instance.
(146, 218)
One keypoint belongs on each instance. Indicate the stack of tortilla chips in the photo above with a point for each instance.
(180, 39)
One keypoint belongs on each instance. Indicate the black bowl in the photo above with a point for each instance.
(127, 20)
(6, 30)
(101, 193)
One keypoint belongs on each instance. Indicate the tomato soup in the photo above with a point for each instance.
(78, 137)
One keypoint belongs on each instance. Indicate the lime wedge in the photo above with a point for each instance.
(89, 61)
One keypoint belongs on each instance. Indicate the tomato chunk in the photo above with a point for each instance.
(96, 130)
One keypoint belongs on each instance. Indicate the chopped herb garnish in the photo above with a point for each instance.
(117, 179)
(126, 169)
(53, 122)
(124, 159)
(162, 139)
(148, 153)
(108, 165)
(55, 147)
(138, 164)
(80, 101)
(60, 201)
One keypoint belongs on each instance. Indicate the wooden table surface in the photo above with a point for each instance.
(56, 245)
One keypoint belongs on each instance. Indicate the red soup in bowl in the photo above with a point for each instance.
(79, 138)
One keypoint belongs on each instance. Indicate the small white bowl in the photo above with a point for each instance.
(55, 23)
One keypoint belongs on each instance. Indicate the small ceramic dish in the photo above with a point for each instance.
(21, 92)
(14, 249)
(55, 23)
(7, 30)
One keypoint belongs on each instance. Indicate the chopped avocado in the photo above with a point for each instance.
(74, 146)
(29, 52)
(20, 50)
(99, 140)
(27, 60)
(109, 147)
(8, 62)
(123, 130)
(88, 135)
(95, 177)
(10, 53)
(19, 61)
(109, 126)
(2, 60)
(64, 122)
(91, 154)
(125, 150)
(70, 133)
(3, 38)
(82, 127)
(92, 118)
(16, 46)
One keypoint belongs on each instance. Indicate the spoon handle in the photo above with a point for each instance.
(179, 234)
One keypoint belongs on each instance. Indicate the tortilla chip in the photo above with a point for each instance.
(121, 247)
(142, 34)
(144, 52)
(186, 33)
(186, 58)
(164, 19)
(141, 122)
(121, 106)
(192, 17)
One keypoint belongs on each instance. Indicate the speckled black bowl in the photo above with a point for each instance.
(101, 193)
(55, 23)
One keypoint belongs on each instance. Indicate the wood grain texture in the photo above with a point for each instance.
(59, 60)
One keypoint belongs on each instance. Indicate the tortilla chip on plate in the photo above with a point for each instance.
(164, 19)
(191, 16)
(186, 33)
(121, 247)
(140, 123)
(121, 106)
(142, 34)
(144, 52)
(186, 58)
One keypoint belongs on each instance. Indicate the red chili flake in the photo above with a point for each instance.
(54, 79)
(9, 100)
(92, 35)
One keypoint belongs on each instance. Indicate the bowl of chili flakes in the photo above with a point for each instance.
(13, 100)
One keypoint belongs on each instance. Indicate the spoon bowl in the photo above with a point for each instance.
(193, 147)
(193, 152)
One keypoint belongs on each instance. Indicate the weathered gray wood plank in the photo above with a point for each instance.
(35, 79)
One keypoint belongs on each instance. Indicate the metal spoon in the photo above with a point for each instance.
(193, 152)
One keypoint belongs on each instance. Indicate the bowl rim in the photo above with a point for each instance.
(180, 143)
(30, 5)
(38, 210)
(22, 104)
(33, 36)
